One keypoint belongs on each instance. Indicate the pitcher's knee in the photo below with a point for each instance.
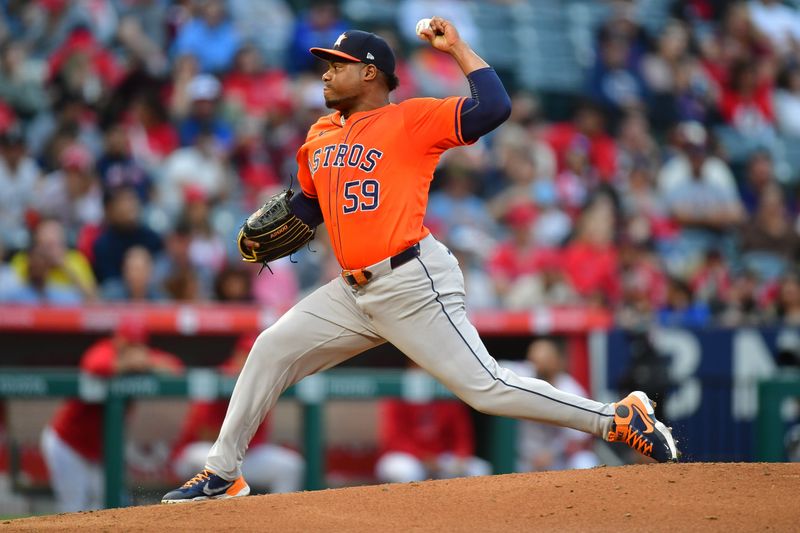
(273, 349)
(480, 400)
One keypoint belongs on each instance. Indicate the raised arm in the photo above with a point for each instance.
(489, 104)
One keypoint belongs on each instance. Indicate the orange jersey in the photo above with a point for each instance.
(371, 175)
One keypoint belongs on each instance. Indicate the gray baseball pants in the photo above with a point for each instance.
(418, 307)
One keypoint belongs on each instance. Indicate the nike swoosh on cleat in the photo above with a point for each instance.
(649, 427)
(216, 491)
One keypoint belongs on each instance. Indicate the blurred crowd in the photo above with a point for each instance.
(136, 135)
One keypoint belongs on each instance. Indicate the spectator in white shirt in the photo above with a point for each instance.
(543, 447)
(693, 152)
(19, 175)
(201, 166)
(787, 102)
(777, 22)
(72, 193)
(706, 208)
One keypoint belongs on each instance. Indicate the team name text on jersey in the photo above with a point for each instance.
(344, 155)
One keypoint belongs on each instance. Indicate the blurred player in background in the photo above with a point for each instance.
(544, 447)
(426, 440)
(72, 444)
(267, 466)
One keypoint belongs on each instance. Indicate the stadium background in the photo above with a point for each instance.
(115, 112)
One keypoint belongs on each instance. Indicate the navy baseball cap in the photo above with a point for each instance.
(359, 47)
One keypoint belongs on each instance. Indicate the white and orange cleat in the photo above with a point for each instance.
(636, 425)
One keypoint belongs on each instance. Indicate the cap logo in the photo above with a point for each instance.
(338, 42)
(370, 56)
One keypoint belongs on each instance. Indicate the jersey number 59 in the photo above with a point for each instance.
(360, 195)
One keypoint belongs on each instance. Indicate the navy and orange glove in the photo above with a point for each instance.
(273, 231)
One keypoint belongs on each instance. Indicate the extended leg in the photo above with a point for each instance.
(427, 295)
(428, 323)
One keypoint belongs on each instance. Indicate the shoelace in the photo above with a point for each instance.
(202, 476)
(639, 442)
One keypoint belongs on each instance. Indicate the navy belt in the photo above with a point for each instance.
(362, 276)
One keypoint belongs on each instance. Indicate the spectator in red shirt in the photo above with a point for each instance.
(590, 260)
(524, 272)
(431, 439)
(254, 91)
(151, 135)
(589, 122)
(736, 38)
(267, 466)
(747, 103)
(83, 67)
(72, 444)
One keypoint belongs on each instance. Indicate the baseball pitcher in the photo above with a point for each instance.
(365, 170)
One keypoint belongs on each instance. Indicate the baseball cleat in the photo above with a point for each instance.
(635, 424)
(207, 486)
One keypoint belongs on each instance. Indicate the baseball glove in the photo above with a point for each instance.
(275, 229)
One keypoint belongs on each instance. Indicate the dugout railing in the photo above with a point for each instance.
(202, 384)
(56, 336)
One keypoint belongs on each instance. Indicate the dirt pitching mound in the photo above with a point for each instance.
(682, 497)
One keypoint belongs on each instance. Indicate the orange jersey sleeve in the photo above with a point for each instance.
(434, 123)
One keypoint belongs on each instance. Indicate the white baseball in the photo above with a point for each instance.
(423, 24)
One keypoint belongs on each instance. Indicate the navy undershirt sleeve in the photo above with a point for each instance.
(488, 107)
(306, 209)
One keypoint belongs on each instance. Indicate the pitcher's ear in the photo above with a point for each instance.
(370, 72)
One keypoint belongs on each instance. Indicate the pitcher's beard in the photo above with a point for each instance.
(340, 104)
